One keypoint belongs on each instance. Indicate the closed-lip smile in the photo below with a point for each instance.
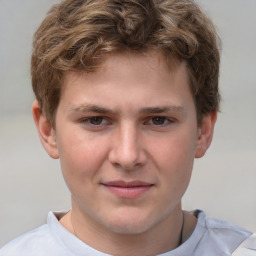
(127, 189)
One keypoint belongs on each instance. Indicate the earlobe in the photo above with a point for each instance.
(45, 130)
(205, 134)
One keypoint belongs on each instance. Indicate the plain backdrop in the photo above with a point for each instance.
(223, 182)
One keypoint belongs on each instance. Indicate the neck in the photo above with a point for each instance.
(164, 237)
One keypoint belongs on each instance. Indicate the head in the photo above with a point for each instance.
(79, 35)
(127, 94)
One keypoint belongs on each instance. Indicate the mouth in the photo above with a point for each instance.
(127, 190)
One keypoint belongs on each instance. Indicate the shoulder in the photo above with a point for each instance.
(223, 237)
(40, 242)
(25, 244)
(247, 248)
(225, 229)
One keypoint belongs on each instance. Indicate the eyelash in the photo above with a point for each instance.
(100, 121)
(165, 120)
(89, 120)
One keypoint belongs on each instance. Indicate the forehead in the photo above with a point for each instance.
(152, 62)
(129, 82)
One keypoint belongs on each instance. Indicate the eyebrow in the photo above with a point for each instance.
(90, 108)
(147, 110)
(162, 109)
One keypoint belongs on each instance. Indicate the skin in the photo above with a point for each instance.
(133, 120)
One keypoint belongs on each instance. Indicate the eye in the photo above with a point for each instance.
(94, 121)
(159, 120)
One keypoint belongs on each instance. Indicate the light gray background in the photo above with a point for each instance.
(223, 182)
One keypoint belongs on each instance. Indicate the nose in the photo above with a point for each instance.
(127, 151)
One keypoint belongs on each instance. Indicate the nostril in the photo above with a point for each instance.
(117, 165)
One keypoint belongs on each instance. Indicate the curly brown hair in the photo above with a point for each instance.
(79, 34)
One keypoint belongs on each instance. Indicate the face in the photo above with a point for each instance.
(126, 137)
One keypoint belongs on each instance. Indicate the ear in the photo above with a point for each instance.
(205, 134)
(45, 130)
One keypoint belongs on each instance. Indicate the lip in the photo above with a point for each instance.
(127, 189)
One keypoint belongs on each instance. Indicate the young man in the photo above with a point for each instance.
(127, 96)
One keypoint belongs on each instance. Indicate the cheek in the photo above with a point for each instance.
(174, 159)
(175, 151)
(81, 158)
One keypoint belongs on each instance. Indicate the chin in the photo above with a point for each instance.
(129, 224)
(129, 228)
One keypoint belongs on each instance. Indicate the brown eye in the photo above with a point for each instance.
(158, 120)
(96, 120)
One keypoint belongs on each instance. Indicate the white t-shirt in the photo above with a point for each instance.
(211, 237)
